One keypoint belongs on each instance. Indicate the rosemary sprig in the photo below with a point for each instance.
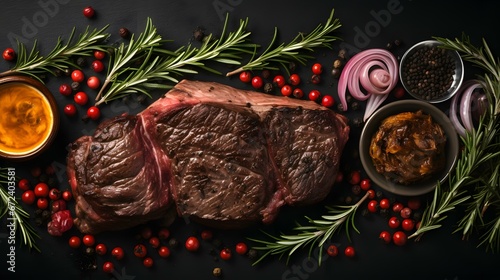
(34, 64)
(474, 176)
(315, 234)
(18, 214)
(125, 54)
(160, 65)
(284, 53)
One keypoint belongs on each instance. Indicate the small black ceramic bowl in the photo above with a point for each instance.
(430, 73)
(371, 127)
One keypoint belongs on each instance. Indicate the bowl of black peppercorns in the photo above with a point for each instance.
(431, 73)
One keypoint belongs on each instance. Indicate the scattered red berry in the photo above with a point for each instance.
(397, 207)
(365, 184)
(385, 236)
(414, 203)
(140, 250)
(146, 233)
(279, 81)
(349, 251)
(41, 190)
(154, 242)
(108, 267)
(246, 76)
(384, 203)
(192, 244)
(101, 249)
(99, 55)
(355, 178)
(257, 82)
(298, 93)
(408, 224)
(294, 80)
(317, 68)
(148, 262)
(314, 95)
(97, 66)
(58, 205)
(93, 112)
(372, 206)
(88, 240)
(118, 253)
(88, 12)
(42, 203)
(24, 184)
(371, 194)
(28, 197)
(327, 101)
(54, 194)
(74, 242)
(241, 248)
(394, 222)
(225, 254)
(332, 250)
(286, 90)
(65, 89)
(9, 54)
(206, 234)
(81, 98)
(399, 92)
(67, 195)
(399, 238)
(70, 110)
(163, 233)
(93, 82)
(164, 252)
(405, 212)
(77, 76)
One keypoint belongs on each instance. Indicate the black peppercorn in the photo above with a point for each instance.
(292, 66)
(266, 74)
(124, 32)
(355, 106)
(356, 189)
(198, 34)
(253, 254)
(268, 87)
(80, 61)
(89, 251)
(75, 86)
(141, 99)
(343, 54)
(173, 242)
(336, 73)
(217, 272)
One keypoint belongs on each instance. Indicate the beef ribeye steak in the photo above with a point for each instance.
(219, 155)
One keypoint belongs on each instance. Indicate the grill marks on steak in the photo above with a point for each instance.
(226, 157)
(219, 163)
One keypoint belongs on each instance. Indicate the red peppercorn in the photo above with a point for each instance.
(225, 254)
(28, 197)
(298, 93)
(70, 110)
(206, 234)
(286, 90)
(163, 233)
(65, 89)
(372, 206)
(81, 98)
(154, 242)
(97, 66)
(54, 194)
(99, 55)
(93, 112)
(257, 82)
(164, 252)
(332, 250)
(42, 203)
(399, 238)
(93, 82)
(355, 178)
(88, 240)
(77, 76)
(414, 203)
(148, 262)
(397, 207)
(408, 224)
(41, 190)
(9, 54)
(385, 236)
(294, 80)
(101, 249)
(74, 242)
(384, 203)
(246, 77)
(24, 184)
(67, 195)
(192, 244)
(88, 12)
(118, 253)
(279, 81)
(315, 79)
(394, 222)
(140, 250)
(349, 251)
(371, 194)
(58, 205)
(365, 184)
(314, 95)
(317, 68)
(405, 212)
(327, 101)
(241, 248)
(108, 267)
(399, 92)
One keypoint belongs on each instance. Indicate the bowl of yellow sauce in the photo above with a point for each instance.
(29, 120)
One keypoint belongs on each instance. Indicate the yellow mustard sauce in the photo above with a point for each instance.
(25, 119)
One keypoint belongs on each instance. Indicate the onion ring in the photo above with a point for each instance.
(461, 106)
(374, 71)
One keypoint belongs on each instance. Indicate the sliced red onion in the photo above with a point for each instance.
(461, 105)
(374, 71)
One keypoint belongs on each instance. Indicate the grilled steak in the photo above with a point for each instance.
(221, 156)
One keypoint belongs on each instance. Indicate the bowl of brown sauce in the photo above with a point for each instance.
(408, 146)
(29, 119)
